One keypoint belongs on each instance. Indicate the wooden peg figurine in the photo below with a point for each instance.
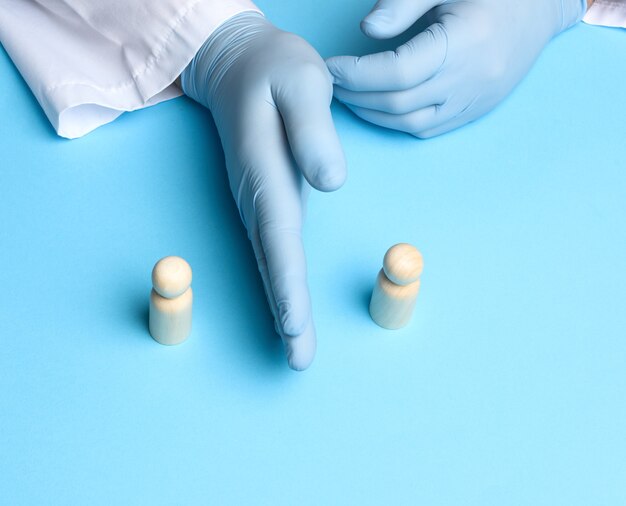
(170, 301)
(397, 285)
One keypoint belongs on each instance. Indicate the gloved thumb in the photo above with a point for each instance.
(390, 18)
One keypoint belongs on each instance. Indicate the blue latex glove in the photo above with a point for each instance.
(269, 93)
(470, 57)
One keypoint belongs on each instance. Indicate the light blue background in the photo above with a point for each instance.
(508, 388)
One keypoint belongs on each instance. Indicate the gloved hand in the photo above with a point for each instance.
(470, 57)
(269, 93)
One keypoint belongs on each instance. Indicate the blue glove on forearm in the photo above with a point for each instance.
(269, 93)
(470, 57)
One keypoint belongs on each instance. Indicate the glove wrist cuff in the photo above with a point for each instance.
(572, 12)
(218, 53)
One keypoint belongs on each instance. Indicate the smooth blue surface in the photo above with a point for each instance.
(507, 389)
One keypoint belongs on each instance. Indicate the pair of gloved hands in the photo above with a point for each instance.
(269, 93)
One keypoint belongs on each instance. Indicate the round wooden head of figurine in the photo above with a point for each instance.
(171, 277)
(403, 264)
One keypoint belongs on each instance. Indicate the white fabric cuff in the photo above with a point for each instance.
(607, 13)
(87, 62)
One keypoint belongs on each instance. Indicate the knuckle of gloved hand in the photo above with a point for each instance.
(311, 71)
(293, 42)
(426, 41)
(314, 76)
(297, 50)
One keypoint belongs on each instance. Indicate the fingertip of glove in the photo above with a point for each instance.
(291, 323)
(330, 178)
(367, 27)
(300, 352)
(377, 26)
(300, 348)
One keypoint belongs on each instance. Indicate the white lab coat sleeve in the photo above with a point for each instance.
(607, 13)
(88, 61)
